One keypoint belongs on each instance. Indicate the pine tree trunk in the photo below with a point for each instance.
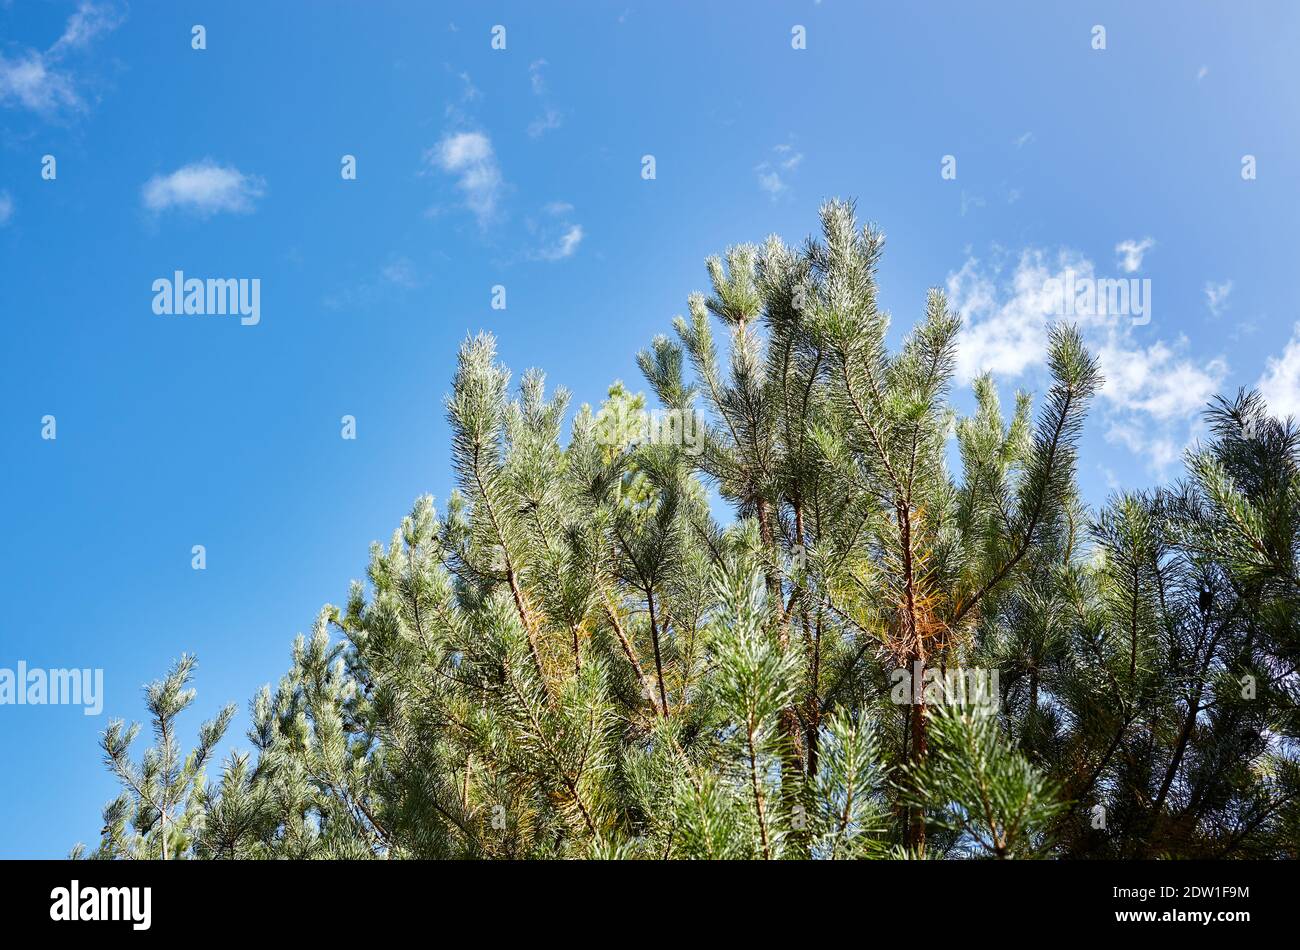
(792, 760)
(919, 726)
(654, 639)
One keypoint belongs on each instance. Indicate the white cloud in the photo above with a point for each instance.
(565, 247)
(1280, 383)
(469, 156)
(1202, 72)
(769, 172)
(30, 83)
(1005, 320)
(6, 208)
(1154, 390)
(559, 238)
(1157, 380)
(463, 149)
(1131, 253)
(40, 82)
(770, 181)
(204, 188)
(1216, 295)
(90, 20)
(1021, 141)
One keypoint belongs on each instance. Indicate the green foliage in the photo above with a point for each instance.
(574, 659)
(991, 797)
(161, 811)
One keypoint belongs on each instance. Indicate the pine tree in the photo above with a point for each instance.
(160, 812)
(574, 659)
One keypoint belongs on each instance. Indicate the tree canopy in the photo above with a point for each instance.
(577, 657)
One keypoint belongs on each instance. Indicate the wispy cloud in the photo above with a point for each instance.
(773, 172)
(1020, 141)
(548, 121)
(1216, 296)
(394, 278)
(557, 234)
(469, 157)
(565, 247)
(536, 78)
(204, 188)
(90, 20)
(790, 159)
(401, 272)
(458, 110)
(470, 92)
(1131, 253)
(769, 180)
(6, 208)
(42, 82)
(551, 117)
(30, 83)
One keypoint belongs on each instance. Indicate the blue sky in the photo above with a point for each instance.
(522, 167)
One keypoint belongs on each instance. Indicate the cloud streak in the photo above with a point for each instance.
(566, 246)
(551, 117)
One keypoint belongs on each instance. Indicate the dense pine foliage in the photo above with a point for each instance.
(576, 659)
